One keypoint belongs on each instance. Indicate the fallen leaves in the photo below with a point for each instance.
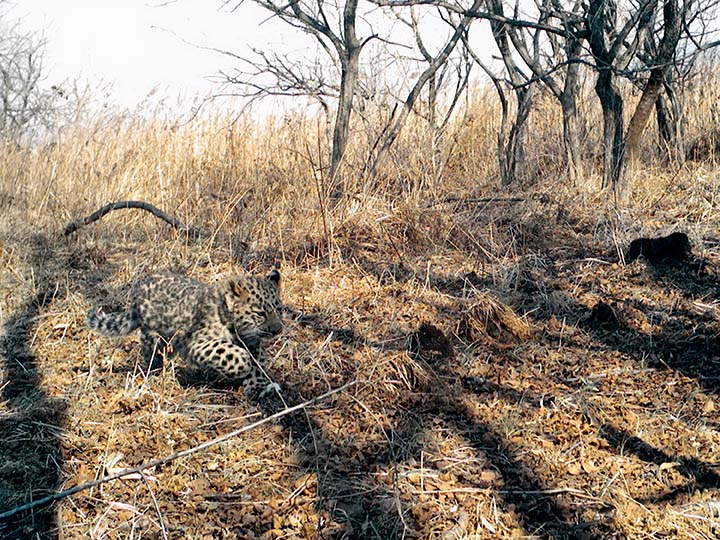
(494, 417)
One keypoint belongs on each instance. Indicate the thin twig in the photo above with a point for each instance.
(137, 470)
(529, 492)
(476, 200)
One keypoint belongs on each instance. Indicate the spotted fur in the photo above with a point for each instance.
(219, 328)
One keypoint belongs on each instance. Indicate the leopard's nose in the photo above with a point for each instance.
(274, 325)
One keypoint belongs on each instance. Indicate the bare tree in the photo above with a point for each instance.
(434, 63)
(334, 26)
(24, 103)
(614, 45)
(455, 72)
(698, 25)
(554, 59)
(507, 32)
(343, 45)
(272, 74)
(616, 39)
(662, 61)
(546, 49)
(512, 149)
(668, 108)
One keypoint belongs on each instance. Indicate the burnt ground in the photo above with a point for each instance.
(542, 390)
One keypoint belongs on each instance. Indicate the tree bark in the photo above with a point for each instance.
(571, 137)
(670, 125)
(568, 105)
(514, 151)
(612, 107)
(341, 130)
(349, 67)
(653, 86)
(612, 49)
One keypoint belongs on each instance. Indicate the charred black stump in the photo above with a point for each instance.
(664, 249)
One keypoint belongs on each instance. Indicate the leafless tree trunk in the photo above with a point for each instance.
(504, 115)
(568, 95)
(613, 49)
(565, 50)
(462, 67)
(662, 62)
(512, 155)
(612, 108)
(571, 130)
(344, 47)
(670, 122)
(697, 21)
(349, 53)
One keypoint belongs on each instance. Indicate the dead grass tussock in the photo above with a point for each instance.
(489, 317)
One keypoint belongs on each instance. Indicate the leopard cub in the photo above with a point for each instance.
(219, 328)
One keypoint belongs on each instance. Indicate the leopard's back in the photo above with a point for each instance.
(165, 303)
(219, 327)
(171, 304)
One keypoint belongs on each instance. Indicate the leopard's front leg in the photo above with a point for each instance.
(232, 362)
(153, 348)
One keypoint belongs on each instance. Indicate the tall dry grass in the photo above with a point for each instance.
(261, 181)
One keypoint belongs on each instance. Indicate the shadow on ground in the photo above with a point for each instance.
(30, 458)
(348, 486)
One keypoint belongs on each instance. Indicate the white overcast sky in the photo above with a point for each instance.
(141, 45)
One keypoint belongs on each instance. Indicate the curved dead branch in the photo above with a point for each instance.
(192, 232)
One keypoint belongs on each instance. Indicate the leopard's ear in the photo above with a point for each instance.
(274, 276)
(237, 290)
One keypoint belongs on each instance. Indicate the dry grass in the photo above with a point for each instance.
(515, 416)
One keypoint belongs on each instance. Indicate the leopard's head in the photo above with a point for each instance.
(254, 305)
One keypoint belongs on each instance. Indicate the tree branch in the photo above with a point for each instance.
(192, 232)
(473, 13)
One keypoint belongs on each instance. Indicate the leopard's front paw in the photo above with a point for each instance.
(256, 388)
(271, 389)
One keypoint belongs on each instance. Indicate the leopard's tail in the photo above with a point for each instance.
(119, 324)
